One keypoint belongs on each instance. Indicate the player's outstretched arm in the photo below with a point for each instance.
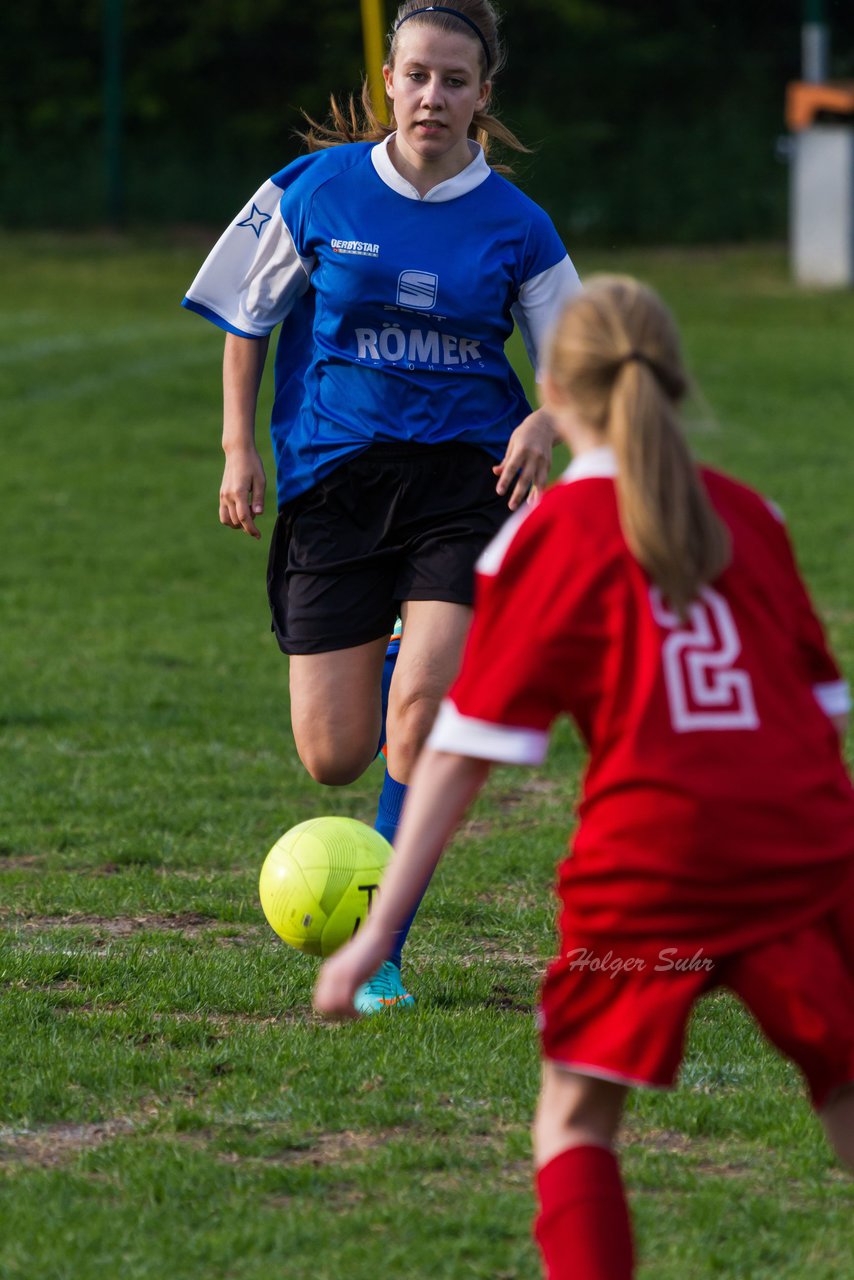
(442, 788)
(524, 469)
(241, 494)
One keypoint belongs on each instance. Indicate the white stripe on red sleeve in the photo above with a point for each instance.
(834, 698)
(505, 744)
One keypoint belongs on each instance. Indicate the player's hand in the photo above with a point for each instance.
(342, 974)
(524, 469)
(241, 494)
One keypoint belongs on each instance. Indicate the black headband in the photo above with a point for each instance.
(673, 385)
(455, 13)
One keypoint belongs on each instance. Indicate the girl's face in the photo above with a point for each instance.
(435, 88)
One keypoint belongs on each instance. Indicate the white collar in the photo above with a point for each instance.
(591, 464)
(466, 180)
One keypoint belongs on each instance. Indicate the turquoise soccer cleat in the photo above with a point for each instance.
(394, 638)
(384, 990)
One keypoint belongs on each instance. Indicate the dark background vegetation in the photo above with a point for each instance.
(651, 121)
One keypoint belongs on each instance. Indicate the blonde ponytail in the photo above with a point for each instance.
(615, 354)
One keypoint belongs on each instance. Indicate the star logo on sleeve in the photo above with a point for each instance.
(256, 220)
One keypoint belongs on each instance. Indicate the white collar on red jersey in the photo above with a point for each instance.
(590, 464)
(461, 183)
(587, 466)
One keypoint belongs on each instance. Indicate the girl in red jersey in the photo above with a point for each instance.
(715, 845)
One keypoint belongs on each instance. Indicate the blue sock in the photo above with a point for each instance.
(389, 809)
(403, 933)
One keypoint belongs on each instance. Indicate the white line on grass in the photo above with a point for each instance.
(96, 383)
(92, 340)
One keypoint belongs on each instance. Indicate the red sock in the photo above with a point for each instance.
(583, 1227)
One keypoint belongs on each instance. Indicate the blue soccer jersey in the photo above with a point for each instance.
(394, 308)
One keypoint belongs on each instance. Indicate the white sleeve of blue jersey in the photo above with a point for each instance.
(539, 304)
(252, 277)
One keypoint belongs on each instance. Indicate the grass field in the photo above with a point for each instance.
(168, 1105)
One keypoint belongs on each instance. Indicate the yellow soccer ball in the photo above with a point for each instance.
(318, 882)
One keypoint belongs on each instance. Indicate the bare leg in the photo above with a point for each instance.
(582, 1227)
(433, 636)
(575, 1110)
(430, 650)
(335, 697)
(838, 1120)
(335, 710)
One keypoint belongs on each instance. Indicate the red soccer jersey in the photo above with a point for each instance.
(716, 809)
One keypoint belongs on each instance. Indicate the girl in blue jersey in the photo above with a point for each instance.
(396, 264)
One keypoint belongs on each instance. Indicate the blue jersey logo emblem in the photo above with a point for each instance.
(256, 220)
(417, 289)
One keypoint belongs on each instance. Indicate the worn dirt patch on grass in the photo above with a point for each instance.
(546, 792)
(56, 1144)
(348, 1147)
(490, 952)
(712, 1157)
(707, 1155)
(735, 1169)
(474, 827)
(508, 1001)
(321, 1150)
(172, 873)
(191, 924)
(667, 1140)
(20, 861)
(222, 1023)
(121, 926)
(543, 790)
(227, 1020)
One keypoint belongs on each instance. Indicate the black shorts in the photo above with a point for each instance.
(396, 522)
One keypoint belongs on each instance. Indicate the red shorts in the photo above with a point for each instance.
(624, 1018)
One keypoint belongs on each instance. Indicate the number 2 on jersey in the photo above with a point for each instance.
(705, 690)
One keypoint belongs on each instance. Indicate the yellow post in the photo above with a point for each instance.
(373, 31)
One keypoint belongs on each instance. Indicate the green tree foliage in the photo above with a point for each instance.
(649, 122)
(659, 121)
